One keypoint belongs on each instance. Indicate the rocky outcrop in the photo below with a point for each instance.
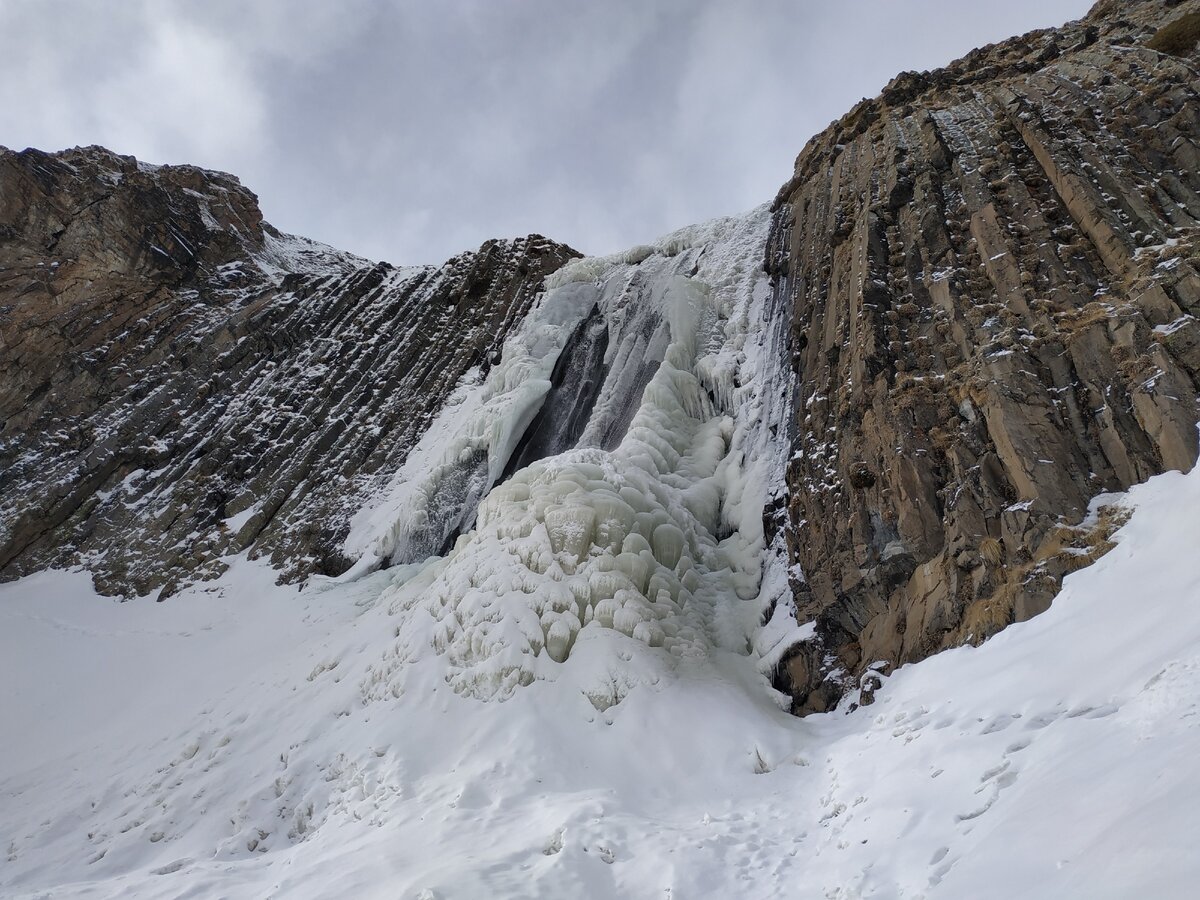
(994, 271)
(179, 381)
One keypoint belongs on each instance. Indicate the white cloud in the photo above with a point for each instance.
(409, 131)
(152, 85)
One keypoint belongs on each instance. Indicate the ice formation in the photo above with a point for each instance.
(464, 451)
(219, 745)
(646, 532)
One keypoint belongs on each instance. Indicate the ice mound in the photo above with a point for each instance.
(613, 563)
(585, 541)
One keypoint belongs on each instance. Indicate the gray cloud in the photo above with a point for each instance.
(410, 131)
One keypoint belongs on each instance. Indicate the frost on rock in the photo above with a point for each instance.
(465, 450)
(643, 544)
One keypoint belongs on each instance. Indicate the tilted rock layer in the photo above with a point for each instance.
(994, 273)
(180, 381)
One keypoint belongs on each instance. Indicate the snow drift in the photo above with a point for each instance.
(556, 687)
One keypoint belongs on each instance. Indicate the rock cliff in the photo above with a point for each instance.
(994, 277)
(179, 380)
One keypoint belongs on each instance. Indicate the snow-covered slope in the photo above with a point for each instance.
(572, 700)
(232, 743)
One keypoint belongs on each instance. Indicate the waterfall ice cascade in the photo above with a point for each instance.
(643, 544)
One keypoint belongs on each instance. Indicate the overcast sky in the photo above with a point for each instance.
(411, 131)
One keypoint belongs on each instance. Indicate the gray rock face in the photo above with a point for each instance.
(994, 272)
(180, 381)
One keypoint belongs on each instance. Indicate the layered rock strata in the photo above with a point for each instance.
(994, 272)
(179, 381)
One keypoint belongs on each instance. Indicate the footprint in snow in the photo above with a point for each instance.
(170, 868)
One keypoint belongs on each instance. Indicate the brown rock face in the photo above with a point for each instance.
(179, 381)
(994, 272)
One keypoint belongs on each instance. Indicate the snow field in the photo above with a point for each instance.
(246, 739)
(221, 744)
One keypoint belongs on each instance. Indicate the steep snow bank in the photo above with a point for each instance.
(221, 744)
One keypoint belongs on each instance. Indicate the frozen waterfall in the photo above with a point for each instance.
(605, 482)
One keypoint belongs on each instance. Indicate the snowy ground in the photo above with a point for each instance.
(231, 742)
(571, 702)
